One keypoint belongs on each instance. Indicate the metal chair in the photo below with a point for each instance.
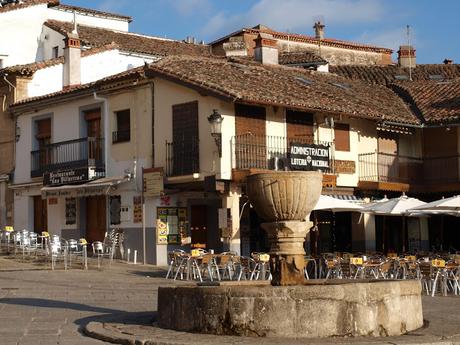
(58, 251)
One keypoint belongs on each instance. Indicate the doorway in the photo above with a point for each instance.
(40, 214)
(96, 226)
(198, 226)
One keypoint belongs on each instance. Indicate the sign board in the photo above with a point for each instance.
(153, 182)
(71, 176)
(309, 157)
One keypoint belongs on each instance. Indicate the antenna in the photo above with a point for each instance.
(75, 31)
(409, 48)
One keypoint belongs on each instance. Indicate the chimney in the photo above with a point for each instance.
(235, 47)
(319, 30)
(72, 60)
(448, 62)
(266, 50)
(406, 56)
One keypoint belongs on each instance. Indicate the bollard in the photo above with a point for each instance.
(128, 255)
(135, 257)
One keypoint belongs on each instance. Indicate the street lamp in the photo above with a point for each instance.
(215, 120)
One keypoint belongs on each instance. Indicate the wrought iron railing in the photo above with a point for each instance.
(182, 157)
(121, 136)
(385, 167)
(265, 152)
(68, 154)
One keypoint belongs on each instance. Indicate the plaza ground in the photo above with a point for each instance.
(40, 306)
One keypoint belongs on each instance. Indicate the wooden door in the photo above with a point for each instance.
(40, 215)
(199, 226)
(95, 218)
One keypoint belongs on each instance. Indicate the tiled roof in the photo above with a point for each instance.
(297, 58)
(130, 42)
(391, 73)
(436, 102)
(27, 3)
(96, 85)
(30, 68)
(290, 87)
(94, 12)
(308, 39)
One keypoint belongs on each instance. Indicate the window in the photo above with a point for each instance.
(123, 132)
(55, 52)
(342, 136)
(70, 211)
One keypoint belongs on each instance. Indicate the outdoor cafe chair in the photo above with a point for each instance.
(58, 251)
(100, 250)
(225, 265)
(261, 270)
(174, 260)
(332, 268)
(245, 267)
(208, 267)
(310, 267)
(78, 249)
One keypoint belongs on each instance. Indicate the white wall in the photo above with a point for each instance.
(22, 40)
(93, 67)
(88, 19)
(19, 34)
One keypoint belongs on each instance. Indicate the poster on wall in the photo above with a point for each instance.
(70, 211)
(172, 225)
(137, 209)
(115, 210)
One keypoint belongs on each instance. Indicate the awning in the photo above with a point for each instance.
(100, 186)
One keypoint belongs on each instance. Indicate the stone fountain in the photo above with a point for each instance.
(291, 306)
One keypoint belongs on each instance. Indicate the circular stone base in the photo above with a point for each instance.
(317, 309)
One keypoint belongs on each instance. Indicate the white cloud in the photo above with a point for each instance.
(297, 15)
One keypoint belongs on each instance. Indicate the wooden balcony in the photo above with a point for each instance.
(78, 153)
(391, 172)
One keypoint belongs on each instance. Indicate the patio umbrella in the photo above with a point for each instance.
(449, 205)
(395, 207)
(445, 206)
(328, 203)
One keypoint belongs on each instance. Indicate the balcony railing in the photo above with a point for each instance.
(68, 154)
(121, 136)
(385, 167)
(182, 157)
(265, 152)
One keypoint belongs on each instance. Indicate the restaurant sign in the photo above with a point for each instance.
(309, 157)
(68, 176)
(72, 176)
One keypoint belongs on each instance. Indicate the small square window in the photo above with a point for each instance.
(123, 132)
(55, 52)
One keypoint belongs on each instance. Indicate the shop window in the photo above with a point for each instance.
(123, 132)
(342, 136)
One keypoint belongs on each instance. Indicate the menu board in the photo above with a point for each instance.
(172, 225)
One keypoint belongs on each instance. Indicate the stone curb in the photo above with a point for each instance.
(98, 331)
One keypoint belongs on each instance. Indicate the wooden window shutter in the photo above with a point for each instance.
(43, 129)
(342, 136)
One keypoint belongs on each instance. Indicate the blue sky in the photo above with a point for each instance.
(435, 26)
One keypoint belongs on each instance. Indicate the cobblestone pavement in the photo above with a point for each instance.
(40, 306)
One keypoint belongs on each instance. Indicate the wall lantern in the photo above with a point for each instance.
(215, 120)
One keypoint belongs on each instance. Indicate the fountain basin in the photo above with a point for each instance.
(316, 309)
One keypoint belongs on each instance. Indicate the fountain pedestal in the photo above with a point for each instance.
(286, 251)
